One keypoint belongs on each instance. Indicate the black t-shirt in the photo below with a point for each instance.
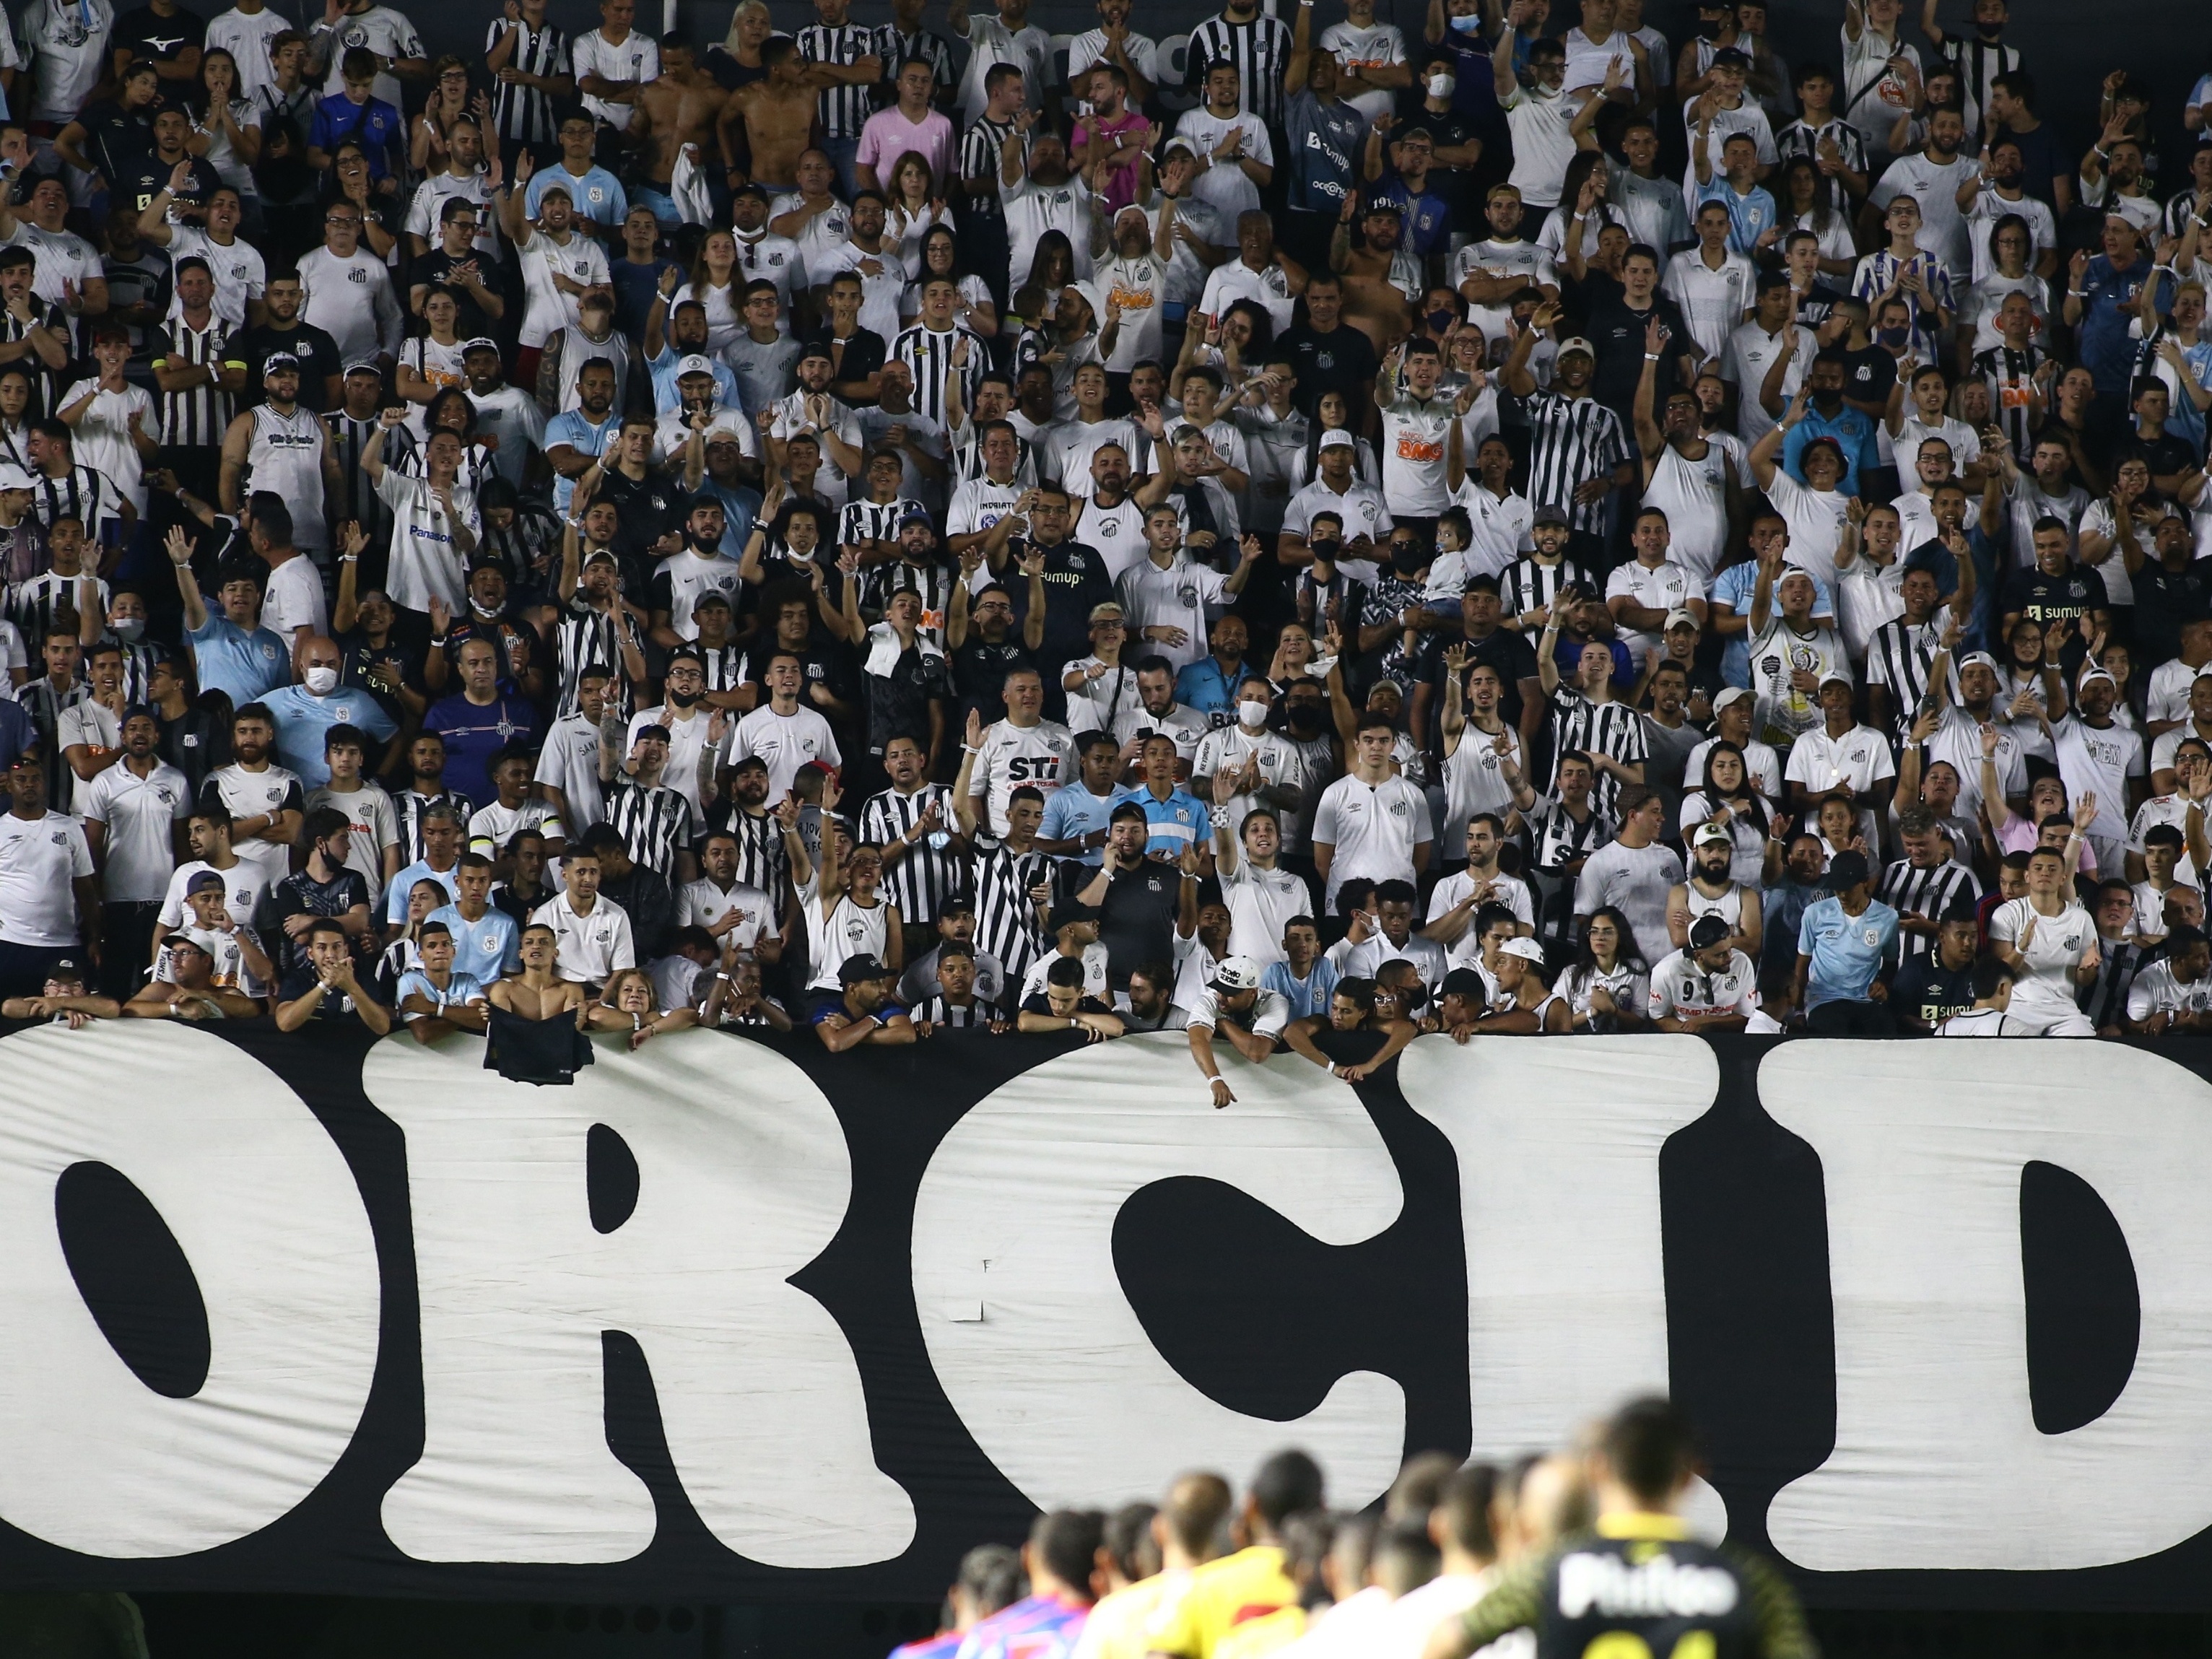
(117, 138)
(1075, 580)
(1615, 329)
(2046, 598)
(335, 1003)
(139, 179)
(1926, 987)
(855, 357)
(649, 507)
(2166, 598)
(431, 267)
(1820, 300)
(1512, 656)
(145, 34)
(1868, 375)
(1136, 922)
(1343, 360)
(317, 351)
(980, 669)
(1447, 131)
(2165, 455)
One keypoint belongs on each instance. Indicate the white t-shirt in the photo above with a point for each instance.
(1543, 145)
(239, 271)
(701, 903)
(1033, 209)
(62, 256)
(103, 435)
(425, 563)
(352, 301)
(1261, 903)
(1681, 988)
(2101, 762)
(548, 309)
(1374, 829)
(1378, 46)
(1267, 1016)
(39, 858)
(295, 599)
(1040, 758)
(1857, 761)
(1693, 495)
(1935, 187)
(786, 742)
(2057, 948)
(1751, 352)
(246, 885)
(635, 56)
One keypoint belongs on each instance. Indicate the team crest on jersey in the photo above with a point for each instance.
(357, 274)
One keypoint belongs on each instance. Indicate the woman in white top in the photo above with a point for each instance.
(228, 135)
(914, 209)
(1607, 984)
(1728, 796)
(430, 361)
(2012, 245)
(2031, 670)
(2051, 944)
(717, 283)
(1804, 198)
(1101, 688)
(973, 308)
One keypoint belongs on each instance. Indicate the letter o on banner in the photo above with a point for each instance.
(266, 1212)
(1031, 1335)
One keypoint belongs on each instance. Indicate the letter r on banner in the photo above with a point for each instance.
(266, 1213)
(1938, 1463)
(743, 1178)
(1559, 1189)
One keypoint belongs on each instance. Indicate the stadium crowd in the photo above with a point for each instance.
(1529, 527)
(1549, 1556)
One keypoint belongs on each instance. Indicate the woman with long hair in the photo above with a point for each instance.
(2012, 254)
(1333, 413)
(2029, 668)
(973, 308)
(914, 209)
(1605, 985)
(1052, 266)
(19, 407)
(1726, 796)
(430, 361)
(717, 283)
(227, 131)
(351, 181)
(787, 546)
(1582, 197)
(450, 409)
(1806, 205)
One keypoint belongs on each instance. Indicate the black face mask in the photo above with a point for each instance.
(1325, 550)
(1407, 561)
(1304, 718)
(682, 699)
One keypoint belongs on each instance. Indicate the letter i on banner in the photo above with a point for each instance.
(1938, 1461)
(1559, 1184)
(1029, 1329)
(742, 1178)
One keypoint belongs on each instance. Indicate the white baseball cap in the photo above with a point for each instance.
(1236, 973)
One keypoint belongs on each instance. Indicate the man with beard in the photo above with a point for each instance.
(1043, 194)
(281, 447)
(1076, 579)
(283, 333)
(1578, 451)
(869, 259)
(575, 437)
(465, 178)
(1712, 891)
(1132, 285)
(1377, 275)
(505, 412)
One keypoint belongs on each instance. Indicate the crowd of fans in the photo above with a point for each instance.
(1551, 1555)
(1530, 527)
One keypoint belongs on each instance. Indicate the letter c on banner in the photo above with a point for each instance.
(267, 1214)
(743, 1179)
(1030, 1334)
(1559, 1189)
(1938, 1463)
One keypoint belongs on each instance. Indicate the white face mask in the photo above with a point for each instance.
(1443, 86)
(1252, 714)
(322, 679)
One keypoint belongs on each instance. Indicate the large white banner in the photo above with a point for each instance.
(320, 1313)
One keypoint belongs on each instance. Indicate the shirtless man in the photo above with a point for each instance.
(536, 993)
(778, 112)
(683, 106)
(1373, 303)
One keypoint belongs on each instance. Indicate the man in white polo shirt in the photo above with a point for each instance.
(592, 935)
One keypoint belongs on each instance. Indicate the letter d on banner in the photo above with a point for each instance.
(266, 1213)
(743, 1179)
(1938, 1463)
(1559, 1191)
